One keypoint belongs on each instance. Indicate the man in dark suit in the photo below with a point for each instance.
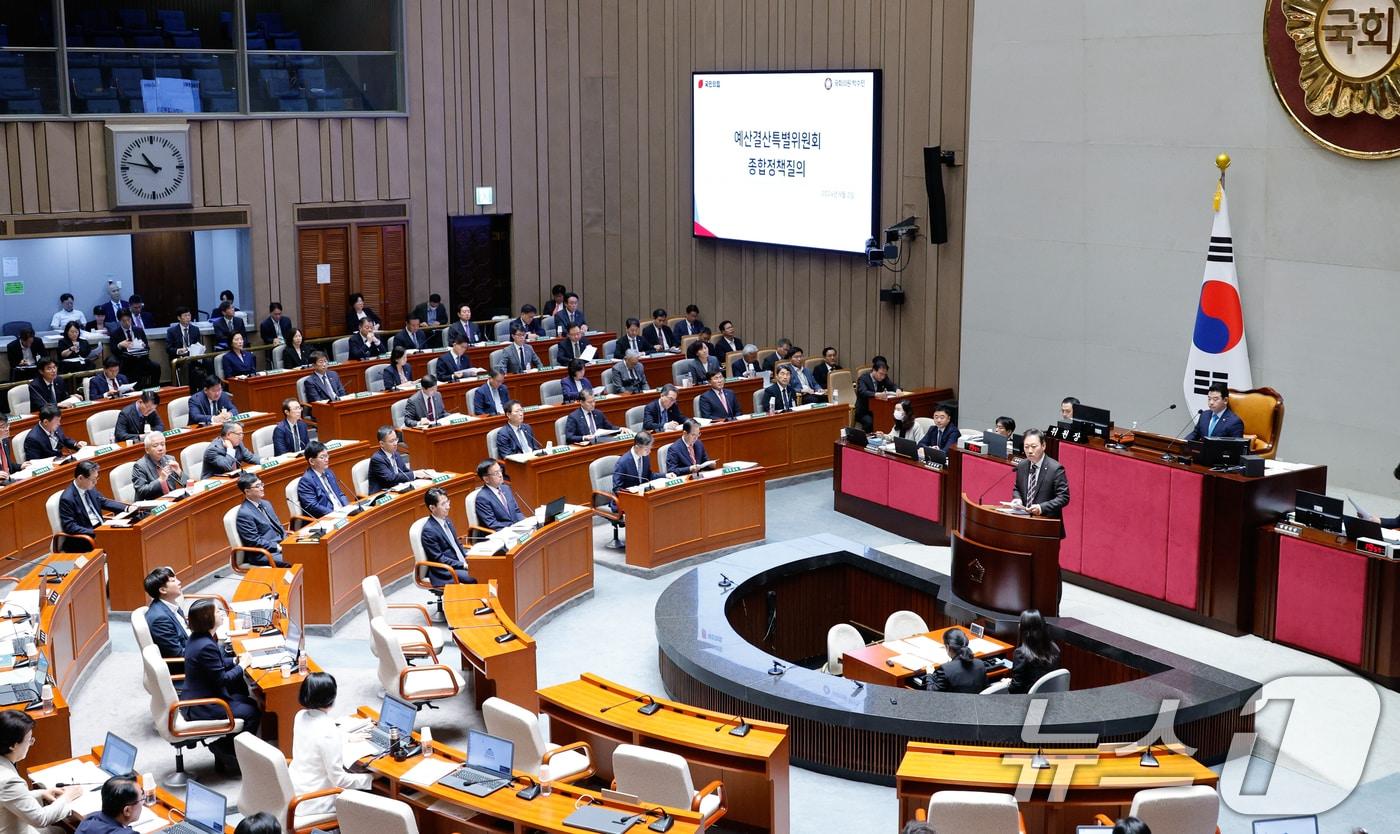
(529, 321)
(8, 464)
(291, 434)
(130, 345)
(718, 402)
(572, 346)
(433, 312)
(630, 375)
(727, 341)
(687, 455)
(829, 363)
(47, 439)
(47, 388)
(463, 328)
(165, 618)
(412, 336)
(114, 304)
(226, 453)
(872, 383)
(634, 467)
(492, 397)
(496, 506)
(258, 524)
(662, 414)
(746, 365)
(779, 396)
(515, 436)
(108, 383)
(691, 325)
(518, 357)
(658, 336)
(425, 406)
(772, 360)
(24, 354)
(81, 506)
(155, 473)
(455, 363)
(803, 382)
(582, 425)
(439, 540)
(388, 468)
(319, 492)
(1217, 420)
(571, 314)
(365, 344)
(180, 335)
(631, 339)
(226, 324)
(211, 405)
(1041, 485)
(139, 316)
(323, 385)
(139, 417)
(944, 434)
(276, 326)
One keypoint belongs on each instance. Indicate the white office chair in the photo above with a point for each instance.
(471, 399)
(141, 630)
(1053, 681)
(17, 445)
(102, 427)
(554, 354)
(1186, 809)
(902, 624)
(267, 788)
(179, 411)
(411, 684)
(635, 418)
(120, 478)
(374, 377)
(19, 399)
(359, 477)
(340, 350)
(974, 812)
(182, 733)
(534, 753)
(192, 461)
(659, 777)
(841, 638)
(424, 640)
(552, 392)
(262, 441)
(397, 409)
(559, 429)
(921, 427)
(491, 448)
(367, 813)
(57, 536)
(237, 549)
(607, 350)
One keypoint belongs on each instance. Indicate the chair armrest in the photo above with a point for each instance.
(1000, 686)
(715, 787)
(244, 548)
(175, 707)
(476, 533)
(420, 570)
(578, 745)
(300, 798)
(416, 606)
(432, 695)
(422, 646)
(56, 538)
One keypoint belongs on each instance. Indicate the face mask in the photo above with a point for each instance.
(898, 414)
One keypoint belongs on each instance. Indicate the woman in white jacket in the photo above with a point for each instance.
(317, 745)
(23, 810)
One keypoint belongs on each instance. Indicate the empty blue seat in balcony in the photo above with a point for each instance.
(86, 80)
(148, 41)
(12, 78)
(100, 105)
(211, 80)
(269, 21)
(84, 59)
(127, 80)
(171, 19)
(132, 18)
(287, 44)
(223, 102)
(118, 59)
(186, 40)
(292, 101)
(11, 59)
(310, 61)
(21, 103)
(256, 42)
(274, 81)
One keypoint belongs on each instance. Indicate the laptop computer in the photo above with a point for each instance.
(205, 810)
(392, 713)
(994, 444)
(1360, 528)
(905, 447)
(489, 765)
(288, 652)
(27, 691)
(1286, 825)
(118, 755)
(933, 454)
(553, 509)
(857, 437)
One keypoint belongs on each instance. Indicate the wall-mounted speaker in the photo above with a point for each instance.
(933, 183)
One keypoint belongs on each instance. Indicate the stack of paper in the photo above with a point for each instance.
(981, 646)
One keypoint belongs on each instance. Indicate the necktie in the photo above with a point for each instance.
(662, 333)
(325, 482)
(724, 401)
(394, 462)
(521, 351)
(633, 340)
(691, 449)
(185, 336)
(592, 429)
(520, 439)
(452, 539)
(164, 482)
(93, 514)
(53, 441)
(262, 508)
(1032, 483)
(128, 335)
(1214, 418)
(296, 437)
(4, 458)
(53, 392)
(326, 384)
(431, 415)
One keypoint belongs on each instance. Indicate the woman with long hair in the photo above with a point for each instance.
(1037, 655)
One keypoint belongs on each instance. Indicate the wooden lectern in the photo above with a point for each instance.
(1006, 562)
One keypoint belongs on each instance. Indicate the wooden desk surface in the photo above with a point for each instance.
(505, 670)
(698, 515)
(280, 694)
(921, 402)
(869, 663)
(537, 575)
(74, 419)
(166, 802)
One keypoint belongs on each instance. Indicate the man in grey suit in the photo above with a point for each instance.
(517, 357)
(156, 473)
(258, 524)
(426, 405)
(629, 376)
(1041, 485)
(227, 453)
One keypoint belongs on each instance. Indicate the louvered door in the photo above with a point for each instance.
(323, 305)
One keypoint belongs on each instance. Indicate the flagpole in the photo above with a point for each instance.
(1222, 162)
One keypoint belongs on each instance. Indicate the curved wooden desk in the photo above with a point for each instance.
(1007, 562)
(280, 704)
(375, 542)
(1100, 781)
(504, 670)
(871, 663)
(753, 768)
(535, 576)
(697, 516)
(74, 420)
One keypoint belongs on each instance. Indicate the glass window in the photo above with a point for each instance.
(322, 83)
(27, 23)
(167, 24)
(323, 26)
(28, 58)
(153, 82)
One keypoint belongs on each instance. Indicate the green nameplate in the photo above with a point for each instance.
(269, 463)
(730, 470)
(675, 482)
(208, 485)
(557, 449)
(105, 450)
(172, 432)
(563, 515)
(334, 444)
(340, 523)
(359, 395)
(439, 479)
(81, 403)
(820, 405)
(457, 421)
(159, 508)
(524, 538)
(533, 407)
(241, 416)
(41, 470)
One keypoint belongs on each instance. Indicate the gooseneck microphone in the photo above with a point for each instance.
(1167, 455)
(1171, 407)
(1010, 470)
(741, 730)
(648, 708)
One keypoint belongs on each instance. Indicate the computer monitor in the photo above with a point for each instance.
(553, 509)
(1089, 414)
(994, 444)
(118, 755)
(905, 447)
(487, 752)
(1018, 444)
(933, 454)
(1360, 528)
(856, 437)
(1319, 511)
(205, 808)
(294, 635)
(1222, 451)
(395, 713)
(1286, 825)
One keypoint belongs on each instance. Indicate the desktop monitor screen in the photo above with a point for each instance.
(1090, 414)
(1318, 503)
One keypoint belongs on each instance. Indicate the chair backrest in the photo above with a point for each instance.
(1261, 411)
(375, 604)
(12, 328)
(501, 331)
(764, 353)
(760, 405)
(921, 427)
(19, 399)
(262, 441)
(156, 679)
(635, 417)
(840, 385)
(497, 358)
(231, 526)
(559, 429)
(678, 372)
(1056, 681)
(471, 399)
(192, 460)
(554, 354)
(606, 352)
(431, 370)
(374, 377)
(521, 728)
(549, 325)
(397, 409)
(389, 651)
(415, 535)
(301, 388)
(140, 629)
(267, 785)
(277, 363)
(841, 638)
(179, 411)
(293, 505)
(729, 358)
(552, 392)
(973, 812)
(51, 510)
(687, 341)
(607, 380)
(1187, 809)
(121, 482)
(359, 477)
(600, 472)
(340, 350)
(659, 775)
(811, 362)
(471, 507)
(903, 624)
(358, 812)
(695, 404)
(491, 448)
(17, 444)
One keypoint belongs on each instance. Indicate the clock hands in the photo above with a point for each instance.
(154, 168)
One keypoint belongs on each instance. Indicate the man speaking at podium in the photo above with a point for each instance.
(1041, 485)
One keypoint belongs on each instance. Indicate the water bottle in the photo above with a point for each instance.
(425, 738)
(301, 663)
(47, 697)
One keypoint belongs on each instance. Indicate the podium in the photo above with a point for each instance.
(1006, 562)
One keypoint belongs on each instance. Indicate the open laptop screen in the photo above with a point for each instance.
(487, 752)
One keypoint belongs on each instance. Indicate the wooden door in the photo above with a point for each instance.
(323, 305)
(164, 268)
(381, 271)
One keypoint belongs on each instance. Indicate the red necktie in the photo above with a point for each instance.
(725, 402)
(692, 454)
(430, 406)
(4, 457)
